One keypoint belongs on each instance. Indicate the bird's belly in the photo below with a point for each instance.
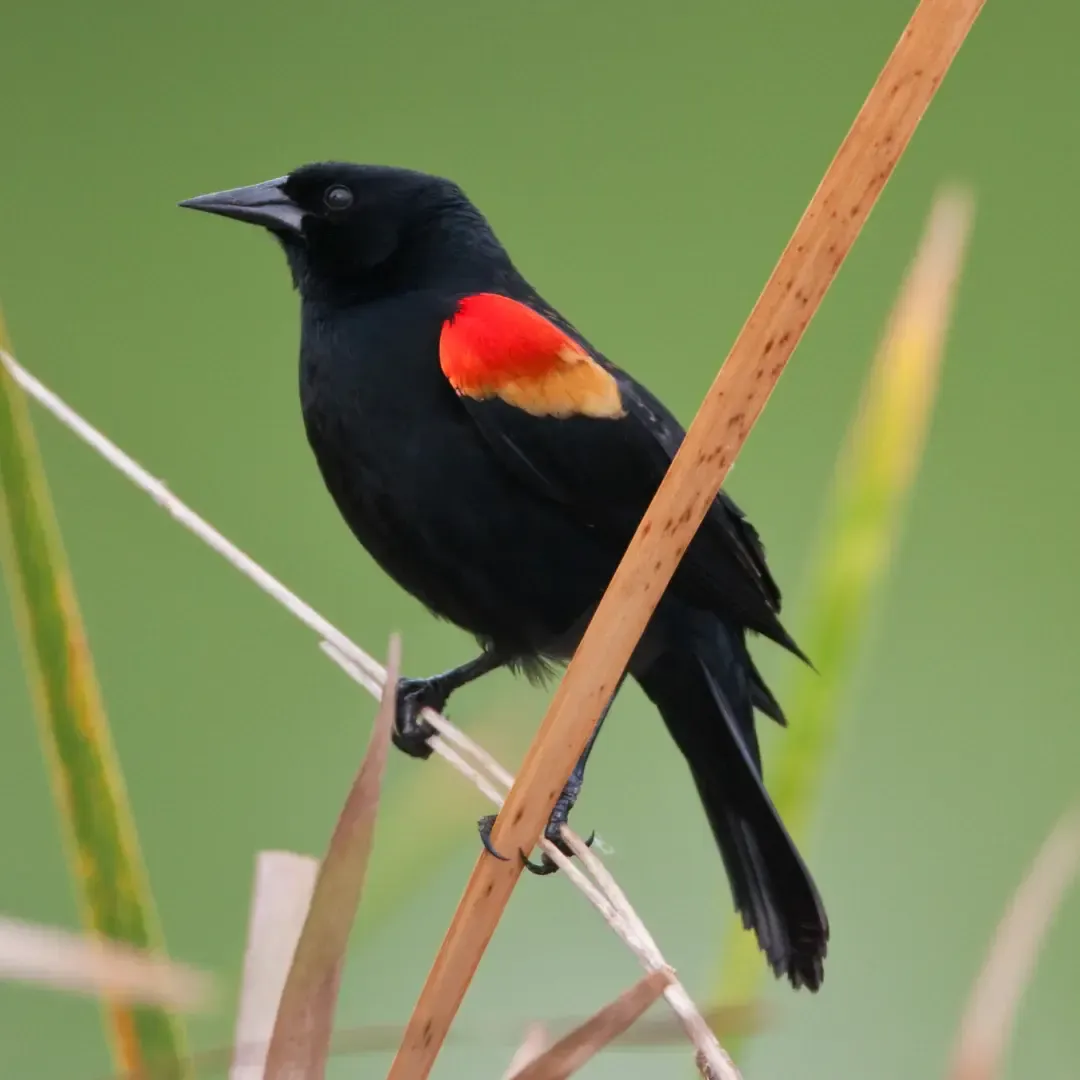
(453, 528)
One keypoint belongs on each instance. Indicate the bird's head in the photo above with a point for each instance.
(355, 231)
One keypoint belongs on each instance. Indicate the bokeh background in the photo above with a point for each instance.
(645, 163)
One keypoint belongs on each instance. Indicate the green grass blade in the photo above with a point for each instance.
(875, 471)
(111, 882)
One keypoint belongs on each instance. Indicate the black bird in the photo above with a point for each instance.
(496, 466)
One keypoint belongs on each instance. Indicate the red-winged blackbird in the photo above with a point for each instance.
(496, 466)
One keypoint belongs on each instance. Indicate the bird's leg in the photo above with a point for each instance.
(560, 815)
(411, 732)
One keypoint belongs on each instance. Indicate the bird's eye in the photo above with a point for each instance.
(338, 197)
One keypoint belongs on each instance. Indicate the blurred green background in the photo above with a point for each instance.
(645, 164)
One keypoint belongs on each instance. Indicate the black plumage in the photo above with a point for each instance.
(510, 524)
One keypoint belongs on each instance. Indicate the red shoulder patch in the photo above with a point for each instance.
(496, 347)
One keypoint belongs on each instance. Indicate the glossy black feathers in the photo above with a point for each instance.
(509, 524)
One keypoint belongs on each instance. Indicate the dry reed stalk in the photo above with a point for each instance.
(808, 265)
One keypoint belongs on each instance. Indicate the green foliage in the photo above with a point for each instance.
(96, 817)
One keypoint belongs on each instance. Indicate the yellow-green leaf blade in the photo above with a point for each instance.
(873, 476)
(96, 817)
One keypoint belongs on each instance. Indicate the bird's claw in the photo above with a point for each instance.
(484, 826)
(411, 733)
(552, 833)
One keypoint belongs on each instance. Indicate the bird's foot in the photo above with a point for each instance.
(411, 732)
(553, 833)
(560, 816)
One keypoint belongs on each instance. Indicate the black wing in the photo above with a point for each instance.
(606, 471)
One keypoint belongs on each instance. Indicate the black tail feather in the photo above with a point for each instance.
(706, 695)
(761, 696)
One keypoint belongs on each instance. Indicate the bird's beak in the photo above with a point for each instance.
(261, 204)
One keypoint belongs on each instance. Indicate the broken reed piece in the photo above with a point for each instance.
(535, 1042)
(574, 1050)
(808, 265)
(280, 899)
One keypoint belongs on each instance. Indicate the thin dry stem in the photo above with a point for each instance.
(192, 522)
(646, 1034)
(437, 742)
(991, 1013)
(451, 734)
(806, 269)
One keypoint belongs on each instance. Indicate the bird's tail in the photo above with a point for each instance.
(706, 694)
